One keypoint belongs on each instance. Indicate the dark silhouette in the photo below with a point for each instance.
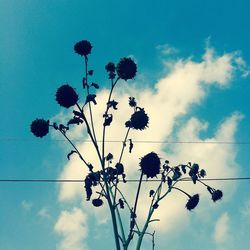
(105, 182)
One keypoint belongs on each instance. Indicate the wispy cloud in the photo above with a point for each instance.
(245, 210)
(221, 230)
(71, 225)
(26, 205)
(167, 49)
(44, 213)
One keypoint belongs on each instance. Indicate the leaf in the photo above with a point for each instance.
(183, 168)
(119, 168)
(95, 85)
(203, 173)
(75, 120)
(194, 178)
(109, 157)
(69, 154)
(151, 193)
(76, 113)
(154, 220)
(112, 104)
(84, 84)
(108, 119)
(177, 175)
(169, 182)
(156, 205)
(121, 203)
(91, 98)
(55, 126)
(63, 128)
(131, 145)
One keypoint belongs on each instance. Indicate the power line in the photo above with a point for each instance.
(134, 141)
(129, 180)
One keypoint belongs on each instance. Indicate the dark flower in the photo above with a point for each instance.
(217, 195)
(40, 127)
(66, 96)
(110, 67)
(139, 120)
(150, 164)
(83, 48)
(192, 202)
(126, 68)
(97, 202)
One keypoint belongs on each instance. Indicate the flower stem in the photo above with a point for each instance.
(89, 104)
(81, 157)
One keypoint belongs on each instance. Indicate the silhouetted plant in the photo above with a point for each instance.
(110, 174)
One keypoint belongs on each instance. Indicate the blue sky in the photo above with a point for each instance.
(192, 58)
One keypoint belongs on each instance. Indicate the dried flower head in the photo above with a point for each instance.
(126, 68)
(192, 202)
(139, 120)
(83, 48)
(217, 195)
(110, 67)
(150, 164)
(40, 127)
(97, 202)
(66, 96)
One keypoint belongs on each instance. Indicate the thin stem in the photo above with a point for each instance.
(150, 213)
(81, 157)
(89, 104)
(182, 191)
(105, 113)
(134, 212)
(89, 132)
(120, 158)
(129, 208)
(111, 207)
(120, 221)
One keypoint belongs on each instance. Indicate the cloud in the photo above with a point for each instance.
(26, 205)
(221, 230)
(167, 49)
(245, 210)
(44, 213)
(71, 225)
(171, 98)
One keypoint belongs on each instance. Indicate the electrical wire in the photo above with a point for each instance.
(129, 180)
(134, 141)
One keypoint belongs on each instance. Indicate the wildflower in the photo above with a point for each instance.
(66, 96)
(150, 164)
(126, 68)
(40, 127)
(192, 202)
(139, 120)
(83, 48)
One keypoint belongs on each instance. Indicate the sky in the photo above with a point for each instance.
(193, 62)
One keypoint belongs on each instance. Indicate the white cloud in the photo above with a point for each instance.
(71, 225)
(26, 205)
(245, 210)
(221, 230)
(172, 97)
(167, 49)
(44, 213)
